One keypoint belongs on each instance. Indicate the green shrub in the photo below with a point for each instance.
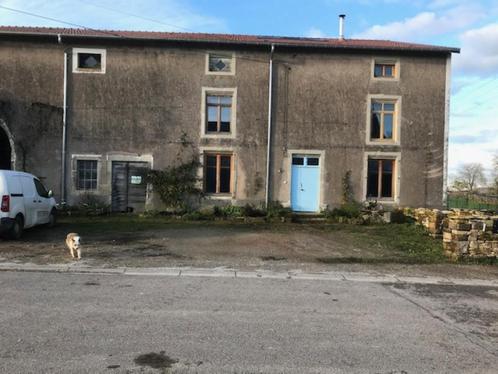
(251, 211)
(276, 210)
(348, 210)
(92, 205)
(176, 185)
(228, 211)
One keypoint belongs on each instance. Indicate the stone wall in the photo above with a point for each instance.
(465, 233)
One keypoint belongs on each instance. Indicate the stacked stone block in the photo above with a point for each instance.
(464, 233)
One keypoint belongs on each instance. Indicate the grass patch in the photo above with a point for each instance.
(396, 243)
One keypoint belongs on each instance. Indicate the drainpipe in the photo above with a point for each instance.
(270, 104)
(64, 129)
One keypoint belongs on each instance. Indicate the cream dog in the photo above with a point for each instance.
(73, 242)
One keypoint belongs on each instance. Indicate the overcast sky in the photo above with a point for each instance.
(469, 24)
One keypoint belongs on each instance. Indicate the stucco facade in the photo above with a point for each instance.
(149, 106)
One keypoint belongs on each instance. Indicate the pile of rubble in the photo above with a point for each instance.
(464, 233)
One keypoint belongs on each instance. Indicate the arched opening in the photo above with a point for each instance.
(5, 151)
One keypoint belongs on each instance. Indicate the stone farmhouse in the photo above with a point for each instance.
(270, 118)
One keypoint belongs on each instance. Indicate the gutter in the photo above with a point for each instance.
(270, 112)
(64, 125)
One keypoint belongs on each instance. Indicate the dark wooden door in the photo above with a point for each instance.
(129, 189)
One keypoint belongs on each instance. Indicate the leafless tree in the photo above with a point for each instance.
(469, 177)
(494, 172)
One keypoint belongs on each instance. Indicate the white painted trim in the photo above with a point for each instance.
(233, 123)
(383, 60)
(231, 72)
(396, 122)
(397, 174)
(321, 186)
(100, 51)
(13, 159)
(446, 128)
(200, 172)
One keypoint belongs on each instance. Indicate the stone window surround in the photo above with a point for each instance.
(396, 156)
(233, 121)
(74, 171)
(231, 72)
(396, 121)
(100, 51)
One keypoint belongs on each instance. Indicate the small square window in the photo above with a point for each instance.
(313, 161)
(297, 160)
(220, 63)
(384, 70)
(89, 60)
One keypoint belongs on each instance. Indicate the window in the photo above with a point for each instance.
(218, 173)
(385, 70)
(89, 60)
(380, 181)
(382, 120)
(219, 113)
(86, 174)
(220, 63)
(40, 188)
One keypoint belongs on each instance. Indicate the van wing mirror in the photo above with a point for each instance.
(50, 193)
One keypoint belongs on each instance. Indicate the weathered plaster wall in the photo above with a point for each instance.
(322, 105)
(148, 105)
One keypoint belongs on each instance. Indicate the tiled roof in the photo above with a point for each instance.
(230, 39)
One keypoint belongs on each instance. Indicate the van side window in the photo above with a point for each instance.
(40, 188)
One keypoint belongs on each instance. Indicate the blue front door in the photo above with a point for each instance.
(305, 183)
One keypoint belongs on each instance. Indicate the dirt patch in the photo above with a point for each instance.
(155, 360)
(155, 242)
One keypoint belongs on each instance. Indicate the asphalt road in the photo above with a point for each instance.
(84, 323)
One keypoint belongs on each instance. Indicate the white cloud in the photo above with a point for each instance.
(314, 32)
(172, 15)
(425, 24)
(479, 55)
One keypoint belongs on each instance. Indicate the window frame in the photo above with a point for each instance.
(396, 130)
(218, 155)
(396, 176)
(206, 91)
(385, 61)
(78, 179)
(103, 60)
(233, 63)
(219, 109)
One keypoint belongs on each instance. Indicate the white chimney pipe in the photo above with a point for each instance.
(341, 26)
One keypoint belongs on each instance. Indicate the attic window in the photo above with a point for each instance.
(220, 63)
(89, 60)
(386, 69)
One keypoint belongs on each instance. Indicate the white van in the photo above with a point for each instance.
(25, 203)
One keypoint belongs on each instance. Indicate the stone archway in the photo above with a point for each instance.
(7, 148)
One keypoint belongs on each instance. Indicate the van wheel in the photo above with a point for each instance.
(17, 228)
(52, 218)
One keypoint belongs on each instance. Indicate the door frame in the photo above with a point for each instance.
(123, 157)
(308, 152)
